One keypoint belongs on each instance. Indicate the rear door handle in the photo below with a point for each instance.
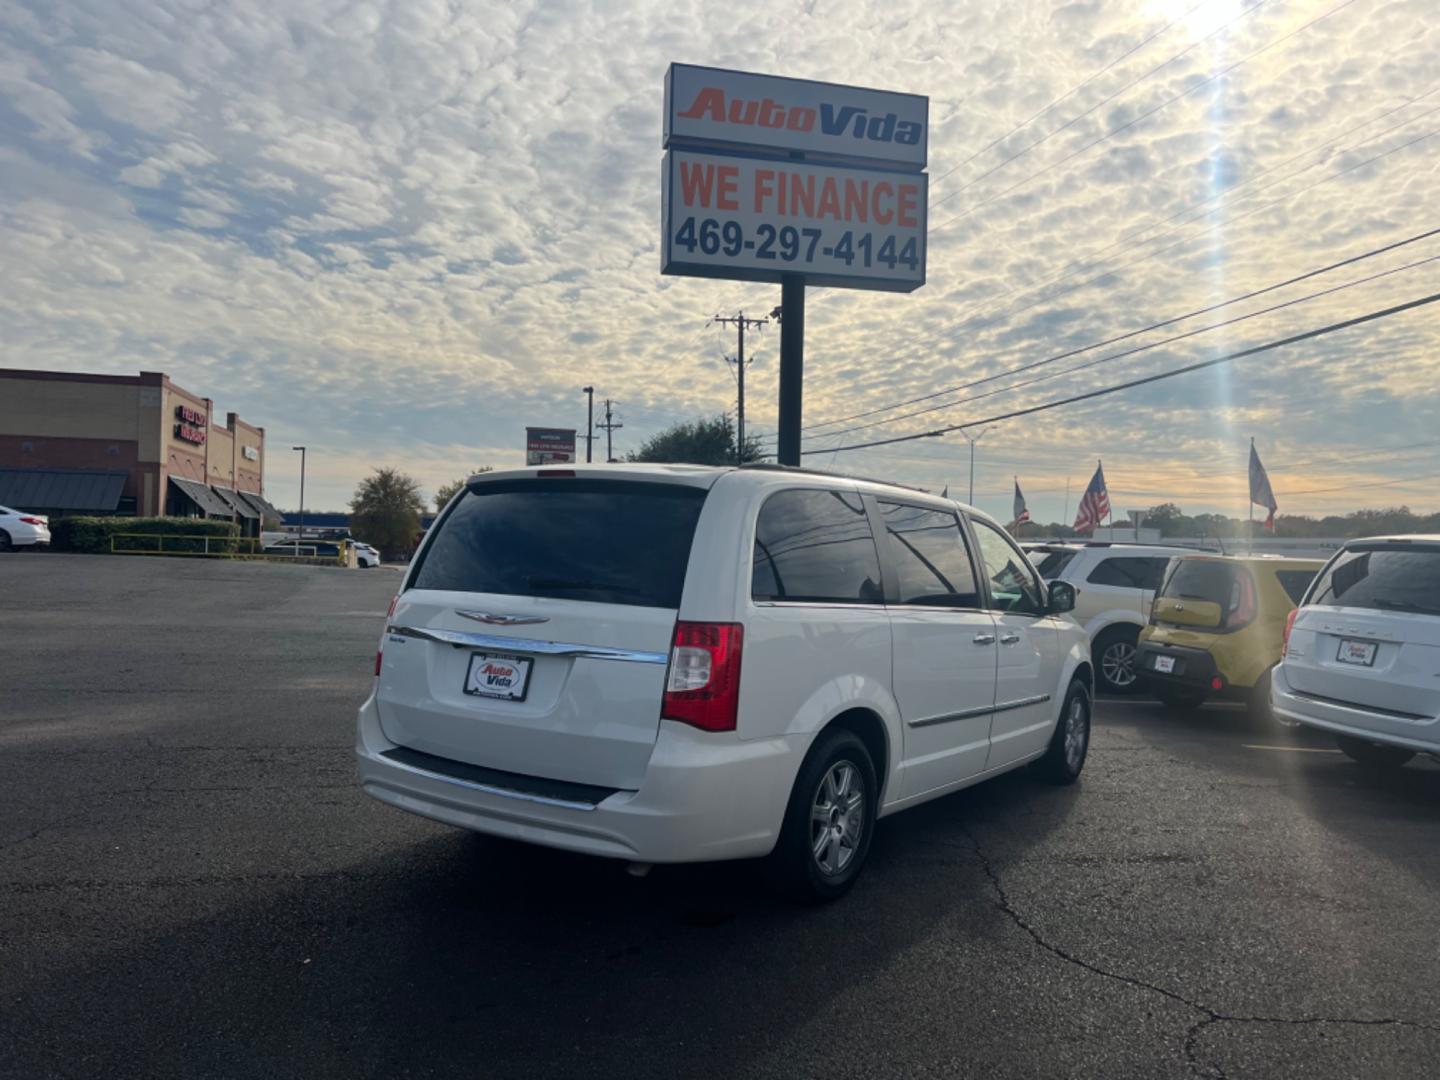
(984, 639)
(1009, 639)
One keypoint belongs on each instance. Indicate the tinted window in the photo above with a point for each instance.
(1013, 586)
(1202, 579)
(1295, 582)
(1390, 580)
(607, 541)
(815, 546)
(1054, 562)
(1129, 571)
(928, 553)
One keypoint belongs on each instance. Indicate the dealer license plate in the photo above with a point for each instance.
(1164, 664)
(496, 676)
(1356, 652)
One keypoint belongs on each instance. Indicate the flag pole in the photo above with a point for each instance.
(1250, 493)
(1066, 515)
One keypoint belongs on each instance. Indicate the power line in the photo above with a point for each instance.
(1131, 123)
(1139, 348)
(1132, 333)
(1081, 86)
(1102, 102)
(1103, 391)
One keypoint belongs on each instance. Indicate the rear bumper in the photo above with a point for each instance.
(702, 799)
(1352, 720)
(1194, 669)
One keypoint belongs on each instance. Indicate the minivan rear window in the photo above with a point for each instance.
(604, 541)
(1388, 579)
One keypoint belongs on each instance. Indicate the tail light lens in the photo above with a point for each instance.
(380, 652)
(33, 521)
(1289, 625)
(1242, 607)
(703, 688)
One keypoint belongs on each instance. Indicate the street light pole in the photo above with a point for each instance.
(972, 440)
(589, 422)
(302, 487)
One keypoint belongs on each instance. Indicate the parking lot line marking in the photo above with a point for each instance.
(1293, 749)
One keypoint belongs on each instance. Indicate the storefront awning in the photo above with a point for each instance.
(201, 495)
(236, 504)
(263, 508)
(40, 490)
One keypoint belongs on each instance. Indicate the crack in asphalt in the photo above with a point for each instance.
(1209, 1015)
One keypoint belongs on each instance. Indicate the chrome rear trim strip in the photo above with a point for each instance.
(465, 639)
(970, 714)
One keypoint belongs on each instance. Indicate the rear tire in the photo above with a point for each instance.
(1375, 755)
(1070, 744)
(5, 544)
(1260, 708)
(1114, 658)
(826, 835)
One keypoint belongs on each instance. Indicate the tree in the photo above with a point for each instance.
(386, 511)
(706, 441)
(447, 491)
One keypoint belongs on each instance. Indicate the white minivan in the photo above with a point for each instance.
(1362, 651)
(669, 663)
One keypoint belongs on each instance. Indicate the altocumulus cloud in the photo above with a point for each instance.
(401, 231)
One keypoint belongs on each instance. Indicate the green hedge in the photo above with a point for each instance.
(93, 534)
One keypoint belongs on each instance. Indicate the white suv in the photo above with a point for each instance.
(1362, 651)
(674, 663)
(1114, 587)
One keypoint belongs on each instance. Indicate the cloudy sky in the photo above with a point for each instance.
(400, 232)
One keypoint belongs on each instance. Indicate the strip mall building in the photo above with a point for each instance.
(73, 443)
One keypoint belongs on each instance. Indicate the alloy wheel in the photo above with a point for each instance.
(1077, 732)
(1118, 664)
(837, 818)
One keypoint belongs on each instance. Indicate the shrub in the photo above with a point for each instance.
(93, 534)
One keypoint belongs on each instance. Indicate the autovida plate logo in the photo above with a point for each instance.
(836, 121)
(497, 676)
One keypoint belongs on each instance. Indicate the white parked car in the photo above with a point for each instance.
(1114, 587)
(20, 529)
(675, 663)
(366, 556)
(1362, 651)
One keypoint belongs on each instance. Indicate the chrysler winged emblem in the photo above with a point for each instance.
(503, 620)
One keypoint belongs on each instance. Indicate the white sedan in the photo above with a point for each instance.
(21, 529)
(366, 556)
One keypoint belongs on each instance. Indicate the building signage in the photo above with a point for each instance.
(547, 446)
(758, 219)
(249, 453)
(190, 425)
(737, 109)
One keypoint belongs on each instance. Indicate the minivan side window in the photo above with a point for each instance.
(816, 547)
(1129, 571)
(1013, 586)
(927, 550)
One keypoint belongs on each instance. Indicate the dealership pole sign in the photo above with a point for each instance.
(794, 182)
(549, 446)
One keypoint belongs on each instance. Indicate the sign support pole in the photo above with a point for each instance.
(792, 366)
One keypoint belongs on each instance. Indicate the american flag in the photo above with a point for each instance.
(1022, 513)
(1095, 504)
(1260, 492)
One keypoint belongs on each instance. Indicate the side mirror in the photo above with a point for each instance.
(1062, 598)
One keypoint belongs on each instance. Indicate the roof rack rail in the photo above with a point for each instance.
(770, 466)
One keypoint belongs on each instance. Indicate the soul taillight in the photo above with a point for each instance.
(703, 687)
(1242, 612)
(1289, 625)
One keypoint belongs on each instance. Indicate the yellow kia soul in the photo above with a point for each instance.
(1217, 626)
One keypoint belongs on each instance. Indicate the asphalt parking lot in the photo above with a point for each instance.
(194, 887)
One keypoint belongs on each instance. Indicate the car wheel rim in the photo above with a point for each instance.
(1118, 664)
(1077, 733)
(837, 818)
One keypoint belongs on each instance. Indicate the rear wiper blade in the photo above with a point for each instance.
(1405, 605)
(571, 583)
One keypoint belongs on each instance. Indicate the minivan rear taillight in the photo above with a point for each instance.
(703, 687)
(380, 652)
(1289, 625)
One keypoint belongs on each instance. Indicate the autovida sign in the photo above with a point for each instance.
(767, 176)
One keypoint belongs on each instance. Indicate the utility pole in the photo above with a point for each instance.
(609, 426)
(740, 322)
(791, 314)
(972, 440)
(589, 421)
